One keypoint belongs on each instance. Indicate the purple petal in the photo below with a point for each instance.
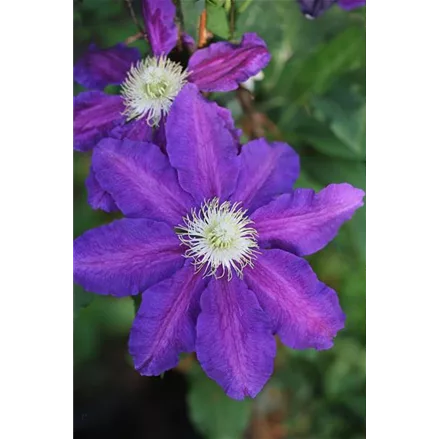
(235, 345)
(140, 179)
(304, 312)
(223, 66)
(159, 135)
(161, 29)
(133, 130)
(303, 222)
(101, 67)
(95, 115)
(201, 147)
(164, 326)
(188, 41)
(267, 170)
(126, 256)
(227, 117)
(351, 4)
(313, 8)
(97, 197)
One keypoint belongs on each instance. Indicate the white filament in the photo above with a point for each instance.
(150, 88)
(219, 239)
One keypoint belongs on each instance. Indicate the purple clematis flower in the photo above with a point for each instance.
(313, 8)
(214, 239)
(150, 85)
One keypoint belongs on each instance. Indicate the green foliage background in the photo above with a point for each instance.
(314, 95)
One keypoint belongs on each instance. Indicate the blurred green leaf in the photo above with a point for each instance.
(304, 181)
(217, 21)
(200, 5)
(345, 113)
(321, 69)
(346, 374)
(81, 299)
(85, 339)
(319, 136)
(215, 414)
(330, 170)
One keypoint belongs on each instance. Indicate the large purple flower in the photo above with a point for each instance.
(149, 86)
(314, 8)
(213, 239)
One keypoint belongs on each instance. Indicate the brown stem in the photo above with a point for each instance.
(202, 31)
(255, 124)
(133, 38)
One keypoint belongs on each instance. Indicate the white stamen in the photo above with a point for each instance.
(150, 88)
(218, 237)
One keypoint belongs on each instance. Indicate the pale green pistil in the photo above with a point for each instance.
(219, 238)
(156, 90)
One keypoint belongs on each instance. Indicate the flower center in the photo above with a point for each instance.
(150, 88)
(219, 239)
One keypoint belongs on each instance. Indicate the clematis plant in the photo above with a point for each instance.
(150, 85)
(213, 238)
(313, 8)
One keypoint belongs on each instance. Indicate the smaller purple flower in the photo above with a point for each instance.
(213, 238)
(149, 86)
(313, 8)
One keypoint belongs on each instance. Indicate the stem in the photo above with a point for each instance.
(232, 19)
(133, 16)
(133, 38)
(244, 6)
(202, 31)
(255, 123)
(180, 17)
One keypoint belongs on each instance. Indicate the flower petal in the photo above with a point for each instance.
(161, 29)
(126, 256)
(134, 130)
(201, 147)
(303, 222)
(101, 67)
(140, 179)
(351, 4)
(222, 66)
(235, 345)
(95, 115)
(188, 41)
(267, 170)
(164, 326)
(97, 197)
(227, 117)
(304, 312)
(313, 8)
(159, 135)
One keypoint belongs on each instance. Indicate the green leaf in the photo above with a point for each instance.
(321, 137)
(215, 414)
(345, 114)
(81, 299)
(327, 171)
(346, 374)
(85, 340)
(319, 71)
(137, 301)
(217, 21)
(200, 5)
